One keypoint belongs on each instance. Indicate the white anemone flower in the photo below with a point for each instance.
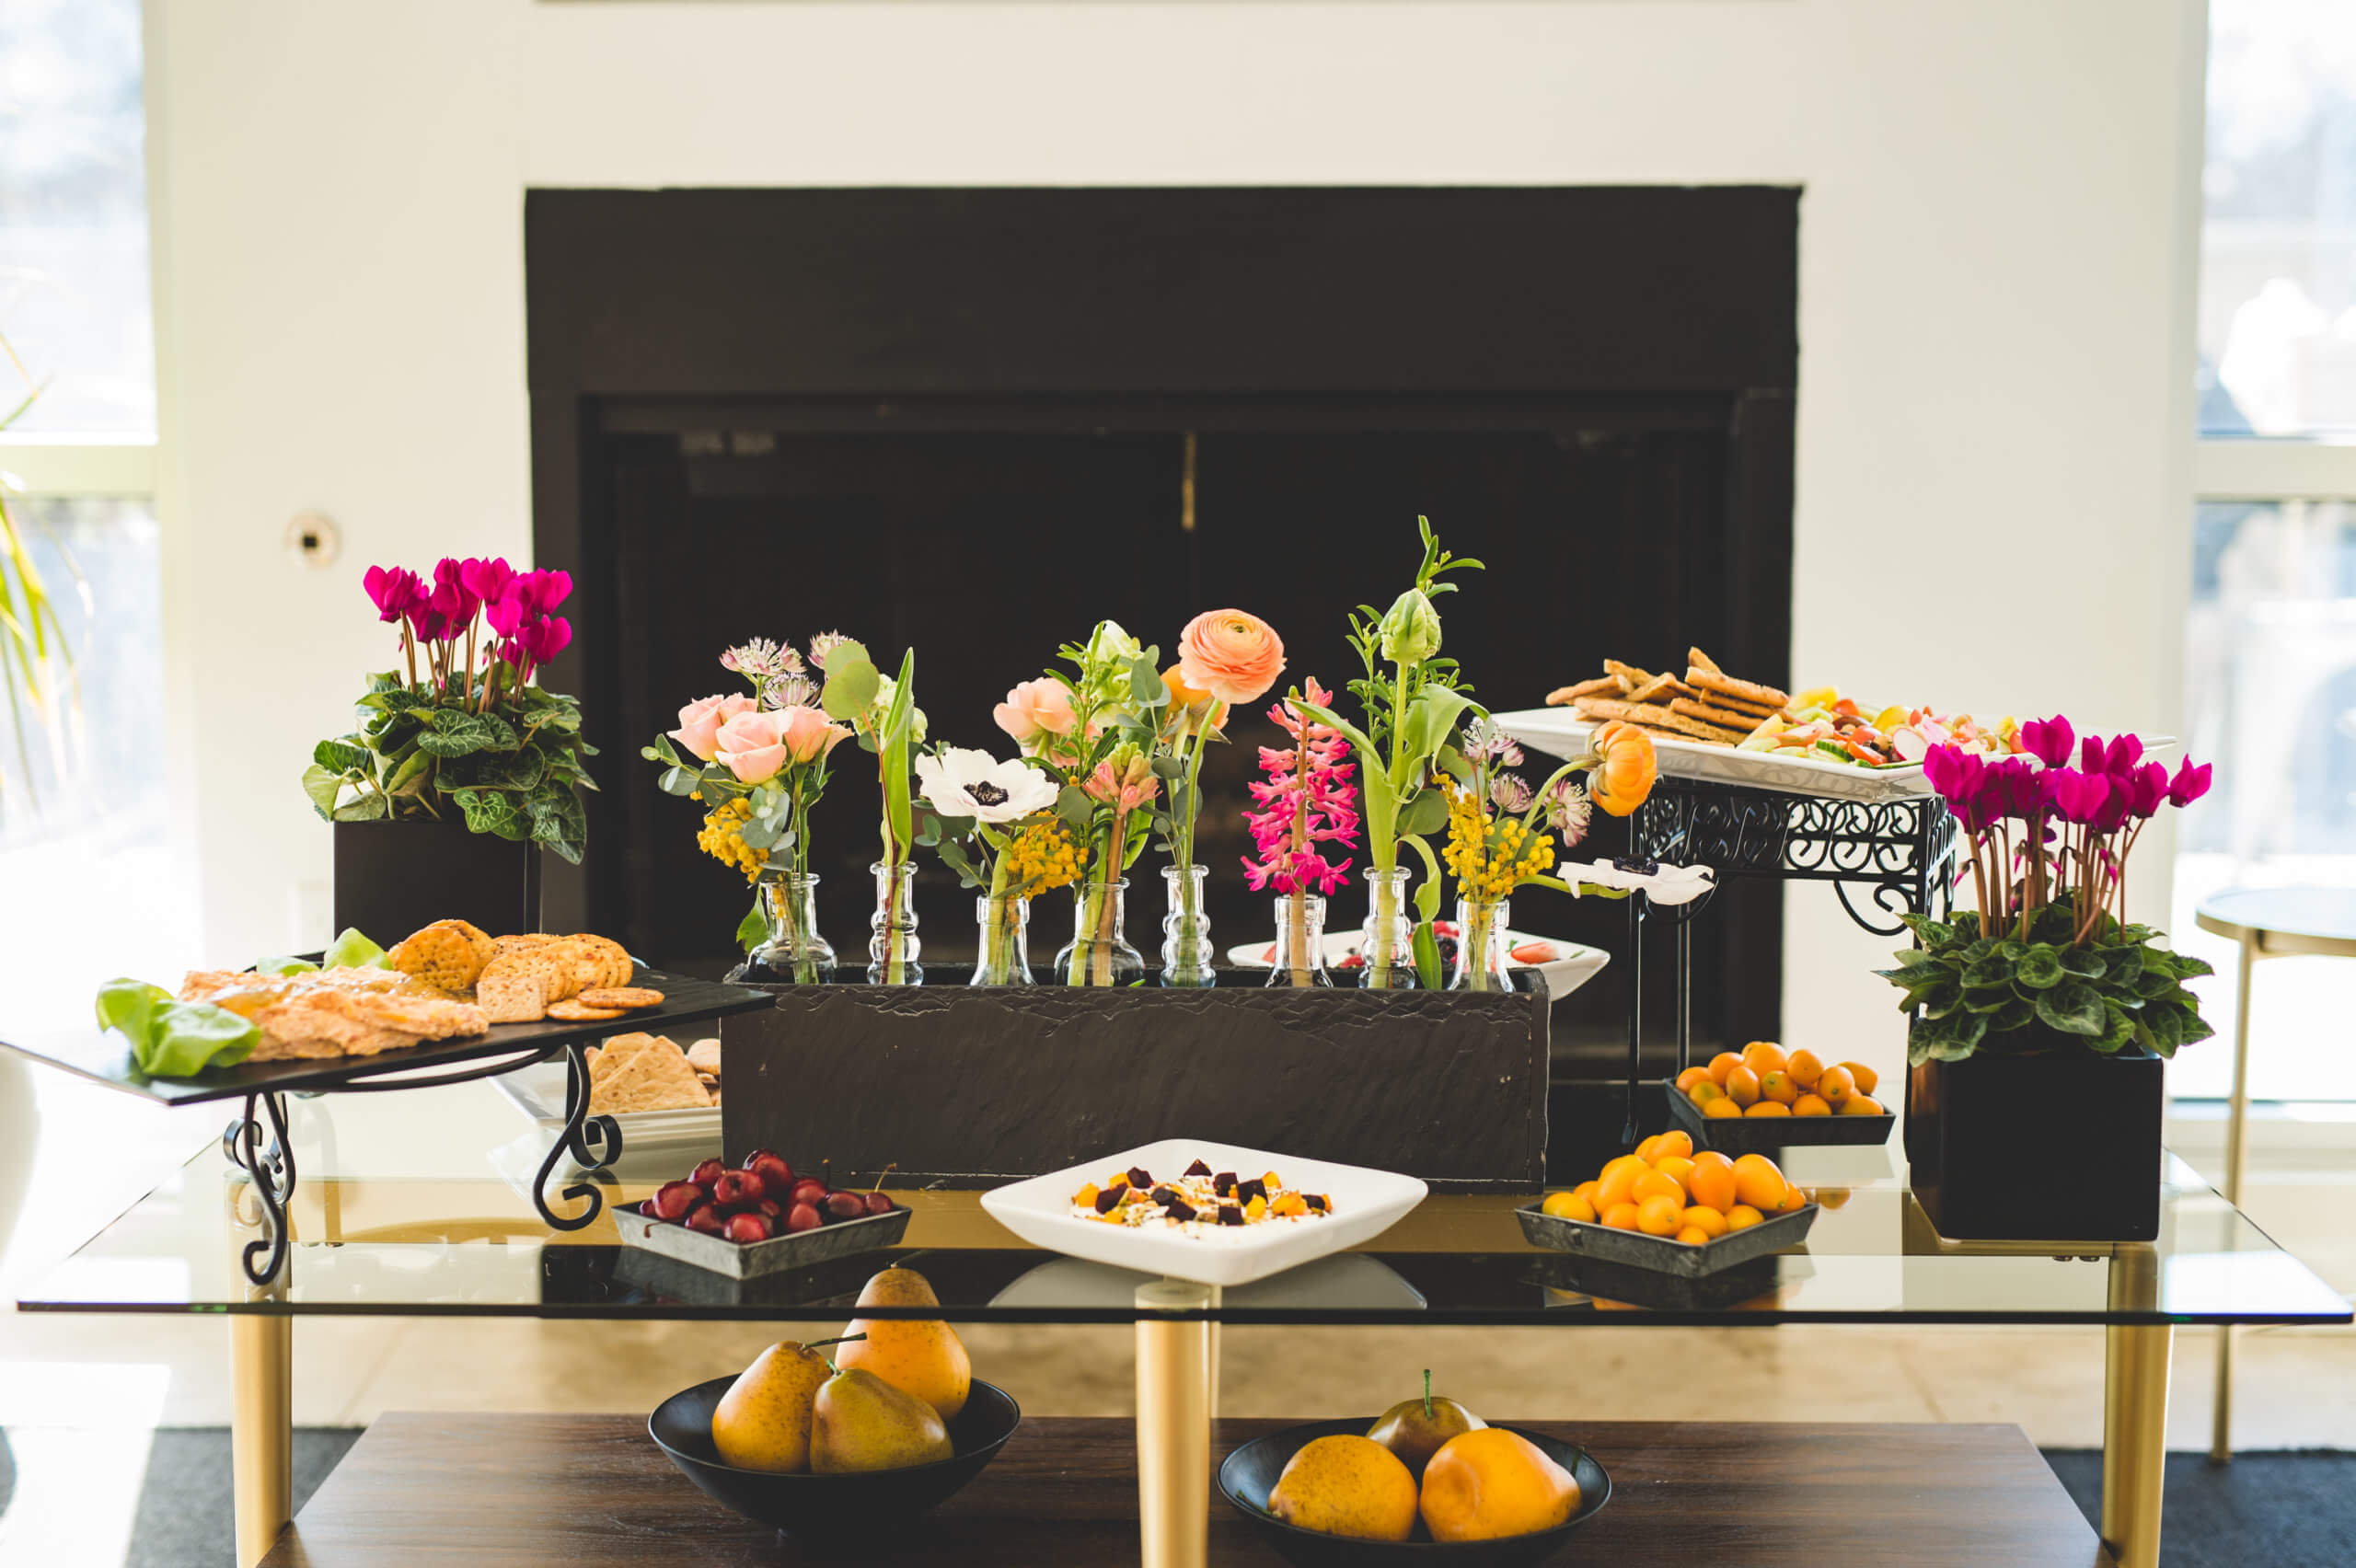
(967, 783)
(1669, 884)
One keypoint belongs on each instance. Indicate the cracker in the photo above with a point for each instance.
(448, 954)
(1659, 690)
(624, 997)
(502, 946)
(1602, 686)
(1727, 717)
(645, 1072)
(513, 997)
(704, 1056)
(1696, 659)
(1629, 673)
(1652, 717)
(1710, 681)
(612, 961)
(571, 1011)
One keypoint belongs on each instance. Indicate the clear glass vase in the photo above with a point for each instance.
(1097, 953)
(1387, 942)
(1005, 940)
(1185, 930)
(794, 953)
(892, 945)
(1301, 942)
(1481, 946)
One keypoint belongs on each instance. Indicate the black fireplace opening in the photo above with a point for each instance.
(773, 413)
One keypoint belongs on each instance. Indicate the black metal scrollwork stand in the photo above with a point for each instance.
(267, 1154)
(1902, 850)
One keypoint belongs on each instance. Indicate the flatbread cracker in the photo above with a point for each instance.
(1602, 686)
(513, 997)
(1652, 717)
(1727, 717)
(448, 954)
(572, 1011)
(627, 997)
(644, 1072)
(1629, 673)
(1698, 660)
(1659, 690)
(704, 1056)
(1746, 691)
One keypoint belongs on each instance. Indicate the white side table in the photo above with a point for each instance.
(2268, 922)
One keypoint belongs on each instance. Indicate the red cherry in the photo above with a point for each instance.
(705, 1174)
(746, 1228)
(809, 1189)
(769, 1209)
(775, 1175)
(707, 1219)
(672, 1200)
(803, 1216)
(846, 1205)
(737, 1188)
(879, 1202)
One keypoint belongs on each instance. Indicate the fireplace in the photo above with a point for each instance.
(973, 422)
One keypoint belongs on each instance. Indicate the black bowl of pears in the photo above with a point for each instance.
(1273, 1482)
(842, 1509)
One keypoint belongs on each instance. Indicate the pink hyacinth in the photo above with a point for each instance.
(1306, 801)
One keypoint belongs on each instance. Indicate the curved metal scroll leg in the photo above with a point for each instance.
(272, 1168)
(582, 1130)
(1891, 900)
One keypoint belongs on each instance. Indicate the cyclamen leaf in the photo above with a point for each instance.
(2190, 968)
(2040, 968)
(2074, 1007)
(369, 807)
(2085, 962)
(490, 811)
(322, 787)
(1993, 971)
(338, 756)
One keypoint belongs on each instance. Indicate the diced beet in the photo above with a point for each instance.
(1223, 1184)
(1246, 1191)
(1180, 1208)
(1198, 1169)
(1109, 1199)
(1317, 1201)
(1230, 1215)
(1141, 1177)
(1162, 1195)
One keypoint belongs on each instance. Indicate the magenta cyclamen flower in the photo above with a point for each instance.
(2049, 740)
(2147, 790)
(395, 591)
(2189, 784)
(486, 580)
(545, 640)
(1306, 801)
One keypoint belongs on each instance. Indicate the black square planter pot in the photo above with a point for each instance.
(2056, 1146)
(393, 877)
(973, 1087)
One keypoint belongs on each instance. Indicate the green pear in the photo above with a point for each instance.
(1415, 1429)
(862, 1422)
(763, 1421)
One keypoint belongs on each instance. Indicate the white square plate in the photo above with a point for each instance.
(1365, 1204)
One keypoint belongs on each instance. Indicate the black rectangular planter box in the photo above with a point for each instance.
(393, 877)
(968, 1087)
(2058, 1145)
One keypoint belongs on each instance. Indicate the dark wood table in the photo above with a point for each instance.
(593, 1489)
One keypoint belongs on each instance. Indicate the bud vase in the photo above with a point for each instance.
(1185, 930)
(1006, 939)
(892, 945)
(1097, 955)
(1481, 946)
(1301, 942)
(1387, 940)
(794, 953)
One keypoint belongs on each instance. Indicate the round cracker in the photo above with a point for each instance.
(624, 997)
(572, 1011)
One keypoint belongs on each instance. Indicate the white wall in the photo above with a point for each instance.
(1992, 508)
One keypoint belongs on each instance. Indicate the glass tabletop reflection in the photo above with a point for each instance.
(419, 1204)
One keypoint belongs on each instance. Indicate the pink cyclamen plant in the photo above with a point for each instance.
(443, 619)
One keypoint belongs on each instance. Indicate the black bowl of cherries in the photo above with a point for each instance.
(760, 1217)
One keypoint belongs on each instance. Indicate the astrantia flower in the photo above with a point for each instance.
(1568, 811)
(1483, 739)
(826, 642)
(1510, 793)
(962, 782)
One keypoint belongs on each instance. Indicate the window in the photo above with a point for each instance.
(2270, 645)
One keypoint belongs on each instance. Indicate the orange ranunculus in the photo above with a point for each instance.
(1184, 695)
(1622, 781)
(1232, 654)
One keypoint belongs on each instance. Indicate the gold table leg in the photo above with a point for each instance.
(262, 1434)
(2135, 1415)
(1173, 1428)
(2221, 1421)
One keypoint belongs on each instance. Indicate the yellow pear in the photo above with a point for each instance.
(763, 1421)
(1346, 1486)
(921, 1356)
(862, 1422)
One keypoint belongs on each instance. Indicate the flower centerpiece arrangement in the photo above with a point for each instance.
(760, 765)
(1307, 805)
(1225, 658)
(459, 731)
(995, 824)
(2049, 961)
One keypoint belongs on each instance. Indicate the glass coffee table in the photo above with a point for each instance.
(412, 1204)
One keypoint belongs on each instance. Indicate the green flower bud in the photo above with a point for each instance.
(1410, 629)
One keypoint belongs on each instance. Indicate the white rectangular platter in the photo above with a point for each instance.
(1365, 1204)
(669, 1137)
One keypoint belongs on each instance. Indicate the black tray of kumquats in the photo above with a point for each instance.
(1779, 1099)
(1609, 1284)
(1673, 1211)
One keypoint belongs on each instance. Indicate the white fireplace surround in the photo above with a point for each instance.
(1996, 275)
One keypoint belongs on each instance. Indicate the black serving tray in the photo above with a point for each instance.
(1660, 1253)
(104, 1056)
(1765, 1134)
(750, 1260)
(1634, 1287)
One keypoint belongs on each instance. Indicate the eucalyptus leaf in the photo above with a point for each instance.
(852, 681)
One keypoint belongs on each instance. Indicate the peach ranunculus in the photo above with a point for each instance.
(751, 746)
(804, 733)
(1035, 709)
(1182, 695)
(1622, 778)
(1232, 654)
(699, 722)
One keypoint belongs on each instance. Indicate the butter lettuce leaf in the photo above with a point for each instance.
(171, 1039)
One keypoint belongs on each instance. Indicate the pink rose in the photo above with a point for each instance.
(699, 722)
(1232, 654)
(752, 747)
(805, 732)
(1034, 709)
